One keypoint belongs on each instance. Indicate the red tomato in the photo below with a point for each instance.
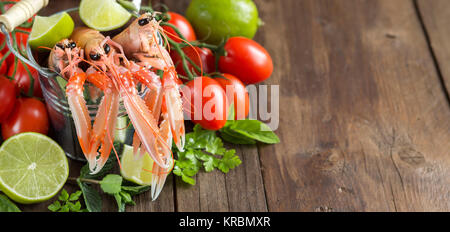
(211, 114)
(236, 94)
(3, 66)
(29, 115)
(23, 79)
(198, 55)
(183, 26)
(8, 95)
(247, 60)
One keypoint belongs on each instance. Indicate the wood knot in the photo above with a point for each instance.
(411, 156)
(323, 209)
(330, 160)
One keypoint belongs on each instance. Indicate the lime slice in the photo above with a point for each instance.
(33, 168)
(136, 168)
(47, 31)
(103, 15)
(122, 128)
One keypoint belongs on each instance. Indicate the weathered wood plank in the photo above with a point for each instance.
(364, 122)
(436, 18)
(240, 190)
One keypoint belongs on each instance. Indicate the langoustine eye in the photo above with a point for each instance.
(60, 46)
(144, 21)
(107, 48)
(94, 56)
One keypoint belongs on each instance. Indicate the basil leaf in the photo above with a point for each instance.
(254, 129)
(92, 198)
(235, 138)
(7, 205)
(111, 184)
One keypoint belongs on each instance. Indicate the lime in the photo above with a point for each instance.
(103, 15)
(216, 20)
(33, 168)
(47, 31)
(136, 168)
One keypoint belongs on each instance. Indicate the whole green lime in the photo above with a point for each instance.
(216, 20)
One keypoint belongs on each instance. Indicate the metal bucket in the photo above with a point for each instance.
(53, 87)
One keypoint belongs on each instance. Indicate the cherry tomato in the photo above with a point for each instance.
(8, 95)
(198, 55)
(3, 66)
(183, 25)
(236, 94)
(211, 114)
(29, 115)
(247, 60)
(23, 79)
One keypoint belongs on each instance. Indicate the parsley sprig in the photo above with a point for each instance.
(205, 149)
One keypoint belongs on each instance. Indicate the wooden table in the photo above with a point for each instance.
(365, 113)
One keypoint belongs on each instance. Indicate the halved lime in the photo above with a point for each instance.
(103, 15)
(47, 31)
(136, 168)
(33, 168)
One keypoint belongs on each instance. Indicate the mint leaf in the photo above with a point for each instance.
(120, 203)
(135, 190)
(7, 205)
(111, 184)
(91, 197)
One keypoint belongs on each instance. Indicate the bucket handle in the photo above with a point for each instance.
(21, 12)
(17, 15)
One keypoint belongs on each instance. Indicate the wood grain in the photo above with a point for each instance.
(364, 121)
(364, 116)
(436, 18)
(240, 190)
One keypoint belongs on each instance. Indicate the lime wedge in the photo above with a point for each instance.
(135, 168)
(103, 15)
(33, 168)
(47, 31)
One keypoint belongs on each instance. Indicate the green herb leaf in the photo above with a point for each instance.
(75, 196)
(203, 148)
(92, 198)
(64, 209)
(7, 205)
(55, 206)
(111, 184)
(229, 161)
(235, 138)
(120, 203)
(64, 196)
(135, 190)
(250, 129)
